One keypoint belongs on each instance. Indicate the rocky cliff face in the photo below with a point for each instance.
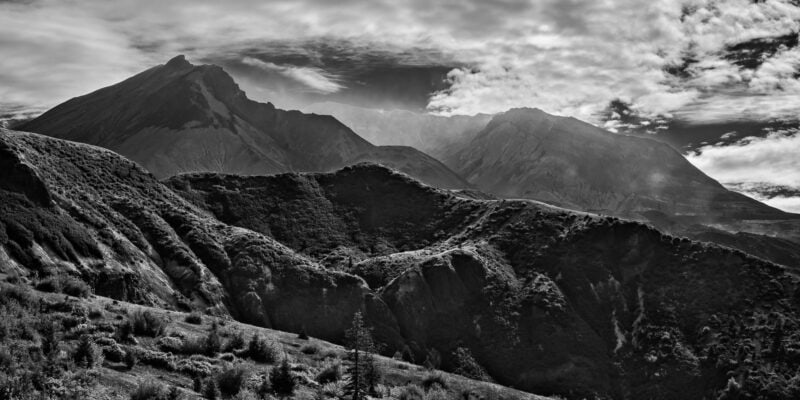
(547, 300)
(179, 117)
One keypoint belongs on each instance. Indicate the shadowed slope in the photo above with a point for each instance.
(547, 300)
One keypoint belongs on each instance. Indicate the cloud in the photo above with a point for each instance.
(766, 168)
(314, 78)
(569, 57)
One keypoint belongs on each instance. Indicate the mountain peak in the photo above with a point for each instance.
(178, 62)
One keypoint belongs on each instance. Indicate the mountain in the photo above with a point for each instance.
(179, 117)
(546, 300)
(433, 134)
(527, 153)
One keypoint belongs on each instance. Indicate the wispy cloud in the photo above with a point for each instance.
(313, 78)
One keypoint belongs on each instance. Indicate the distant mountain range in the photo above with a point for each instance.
(178, 117)
(181, 118)
(546, 300)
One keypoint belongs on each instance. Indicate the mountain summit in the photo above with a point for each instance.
(179, 117)
(527, 153)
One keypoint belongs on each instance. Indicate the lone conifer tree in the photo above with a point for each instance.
(363, 371)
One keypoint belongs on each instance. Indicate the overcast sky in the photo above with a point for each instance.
(695, 61)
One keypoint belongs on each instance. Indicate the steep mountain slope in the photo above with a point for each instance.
(179, 117)
(435, 135)
(547, 300)
(526, 153)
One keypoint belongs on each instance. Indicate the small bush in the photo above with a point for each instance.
(194, 318)
(433, 381)
(466, 365)
(147, 323)
(197, 383)
(114, 353)
(130, 359)
(155, 359)
(231, 380)
(95, 313)
(212, 344)
(75, 287)
(245, 395)
(262, 350)
(282, 379)
(148, 390)
(331, 373)
(302, 335)
(236, 342)
(310, 349)
(210, 390)
(437, 394)
(50, 284)
(87, 353)
(411, 392)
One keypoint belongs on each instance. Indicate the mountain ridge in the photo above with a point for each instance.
(178, 117)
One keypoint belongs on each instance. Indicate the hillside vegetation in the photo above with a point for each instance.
(546, 300)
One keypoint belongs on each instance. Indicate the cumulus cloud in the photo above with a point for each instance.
(313, 78)
(568, 57)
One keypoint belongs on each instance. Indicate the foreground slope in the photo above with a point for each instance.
(180, 117)
(546, 300)
(173, 356)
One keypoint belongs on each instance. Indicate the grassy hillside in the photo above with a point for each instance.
(91, 347)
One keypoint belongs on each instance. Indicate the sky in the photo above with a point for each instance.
(718, 79)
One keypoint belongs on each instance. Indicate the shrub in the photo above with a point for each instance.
(231, 380)
(310, 349)
(147, 323)
(433, 381)
(466, 365)
(75, 287)
(148, 390)
(49, 285)
(194, 318)
(331, 373)
(245, 395)
(262, 350)
(95, 313)
(210, 390)
(212, 344)
(130, 359)
(114, 353)
(411, 392)
(282, 379)
(86, 353)
(263, 390)
(155, 359)
(197, 383)
(236, 342)
(302, 335)
(437, 394)
(332, 389)
(174, 393)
